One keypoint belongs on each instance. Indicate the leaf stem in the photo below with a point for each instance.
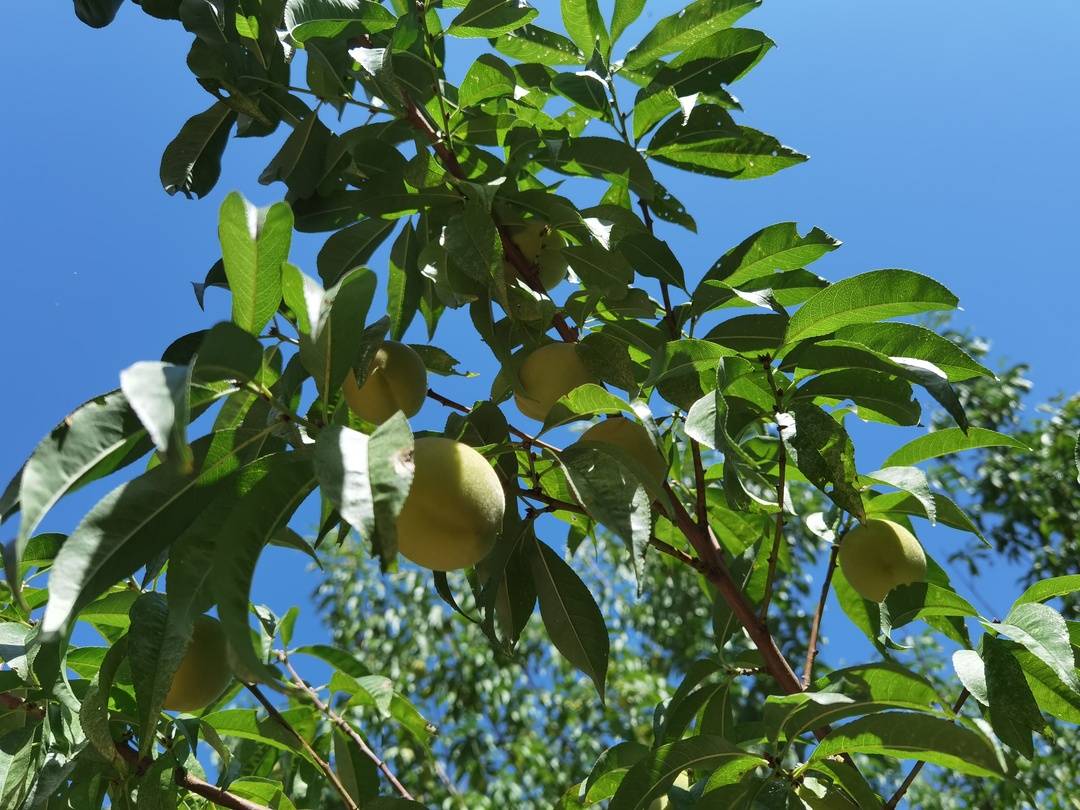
(526, 439)
(322, 764)
(815, 628)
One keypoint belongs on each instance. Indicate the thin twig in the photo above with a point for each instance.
(322, 764)
(344, 727)
(815, 628)
(911, 777)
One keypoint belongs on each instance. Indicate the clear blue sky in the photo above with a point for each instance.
(939, 136)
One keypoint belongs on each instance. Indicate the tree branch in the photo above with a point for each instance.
(701, 504)
(811, 651)
(344, 727)
(322, 764)
(526, 270)
(913, 775)
(526, 438)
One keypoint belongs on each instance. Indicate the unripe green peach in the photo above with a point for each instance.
(879, 555)
(633, 439)
(396, 381)
(540, 245)
(548, 374)
(204, 672)
(454, 509)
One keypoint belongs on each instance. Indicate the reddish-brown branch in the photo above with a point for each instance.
(344, 726)
(528, 272)
(815, 628)
(900, 791)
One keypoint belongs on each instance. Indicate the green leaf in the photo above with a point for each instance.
(357, 772)
(912, 481)
(602, 272)
(228, 352)
(916, 600)
(865, 298)
(611, 485)
(331, 324)
(246, 724)
(305, 19)
(706, 420)
(1014, 714)
(530, 43)
(156, 648)
(905, 735)
(778, 247)
(585, 90)
(972, 673)
(1054, 697)
(489, 18)
(585, 25)
(404, 284)
(341, 464)
(351, 247)
(254, 246)
(570, 614)
(129, 527)
(945, 510)
(652, 257)
(300, 163)
(709, 142)
(488, 77)
(689, 26)
(951, 440)
(253, 521)
(877, 396)
(584, 401)
(158, 393)
(1051, 588)
(909, 340)
(473, 243)
(624, 13)
(94, 712)
(97, 438)
(390, 470)
(651, 777)
(591, 156)
(1043, 631)
(191, 163)
(822, 450)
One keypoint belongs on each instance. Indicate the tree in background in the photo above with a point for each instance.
(521, 199)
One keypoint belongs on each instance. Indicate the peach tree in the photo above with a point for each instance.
(518, 194)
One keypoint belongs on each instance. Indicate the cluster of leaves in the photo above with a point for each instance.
(747, 414)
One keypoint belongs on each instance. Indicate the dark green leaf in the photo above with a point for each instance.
(570, 614)
(404, 284)
(351, 247)
(652, 257)
(1014, 714)
(390, 468)
(530, 43)
(253, 521)
(156, 649)
(1043, 631)
(687, 27)
(822, 450)
(488, 77)
(905, 735)
(878, 396)
(601, 271)
(651, 777)
(305, 19)
(910, 340)
(191, 163)
(778, 247)
(709, 142)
